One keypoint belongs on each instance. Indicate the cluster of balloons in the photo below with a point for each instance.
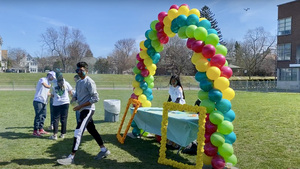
(213, 75)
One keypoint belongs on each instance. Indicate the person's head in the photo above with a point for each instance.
(82, 69)
(60, 79)
(175, 81)
(51, 75)
(76, 78)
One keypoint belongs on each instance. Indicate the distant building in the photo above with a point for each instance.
(3, 60)
(288, 46)
(28, 65)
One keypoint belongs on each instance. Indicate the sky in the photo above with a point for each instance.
(104, 22)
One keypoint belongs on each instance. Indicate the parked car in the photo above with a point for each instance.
(10, 71)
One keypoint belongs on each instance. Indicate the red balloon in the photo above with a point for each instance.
(190, 42)
(140, 65)
(198, 46)
(161, 35)
(207, 137)
(210, 150)
(164, 40)
(210, 127)
(226, 72)
(207, 117)
(218, 162)
(174, 7)
(159, 27)
(134, 96)
(184, 5)
(161, 16)
(139, 58)
(208, 51)
(158, 138)
(218, 60)
(145, 72)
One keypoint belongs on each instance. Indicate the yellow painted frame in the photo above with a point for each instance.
(137, 103)
(167, 106)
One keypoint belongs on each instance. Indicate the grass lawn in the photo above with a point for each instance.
(266, 125)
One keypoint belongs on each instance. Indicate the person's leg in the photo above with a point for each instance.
(64, 118)
(77, 113)
(56, 112)
(37, 107)
(42, 116)
(51, 114)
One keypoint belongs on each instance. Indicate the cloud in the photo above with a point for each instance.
(51, 21)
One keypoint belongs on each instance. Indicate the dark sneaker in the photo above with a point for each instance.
(36, 133)
(102, 154)
(42, 131)
(66, 161)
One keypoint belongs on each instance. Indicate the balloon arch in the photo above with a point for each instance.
(213, 75)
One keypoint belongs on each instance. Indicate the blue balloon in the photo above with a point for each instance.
(229, 116)
(192, 19)
(139, 78)
(200, 76)
(204, 23)
(212, 31)
(215, 95)
(136, 131)
(223, 105)
(230, 138)
(151, 51)
(143, 85)
(150, 97)
(155, 58)
(206, 85)
(181, 20)
(147, 91)
(174, 26)
(147, 43)
(133, 124)
(147, 34)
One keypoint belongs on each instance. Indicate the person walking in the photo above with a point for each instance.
(60, 93)
(86, 95)
(40, 103)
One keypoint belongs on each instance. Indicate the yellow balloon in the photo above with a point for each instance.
(202, 65)
(152, 72)
(228, 93)
(172, 13)
(167, 21)
(206, 159)
(144, 54)
(142, 98)
(148, 61)
(200, 19)
(146, 103)
(142, 46)
(138, 91)
(195, 57)
(151, 67)
(221, 83)
(213, 72)
(135, 83)
(169, 32)
(183, 10)
(194, 11)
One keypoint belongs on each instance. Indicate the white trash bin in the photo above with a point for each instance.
(111, 110)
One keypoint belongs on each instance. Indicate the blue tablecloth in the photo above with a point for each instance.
(182, 127)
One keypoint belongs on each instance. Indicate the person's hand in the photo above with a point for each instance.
(76, 108)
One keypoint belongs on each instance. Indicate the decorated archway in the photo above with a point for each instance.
(213, 76)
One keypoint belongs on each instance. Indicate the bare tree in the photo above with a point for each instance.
(16, 54)
(124, 54)
(68, 45)
(1, 41)
(255, 48)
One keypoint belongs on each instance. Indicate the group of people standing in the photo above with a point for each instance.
(85, 94)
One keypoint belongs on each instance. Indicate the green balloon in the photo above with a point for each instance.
(150, 85)
(149, 79)
(181, 32)
(153, 23)
(221, 49)
(190, 31)
(232, 159)
(226, 63)
(200, 34)
(216, 117)
(212, 39)
(217, 139)
(202, 95)
(136, 70)
(226, 150)
(155, 43)
(210, 106)
(225, 127)
(153, 35)
(159, 48)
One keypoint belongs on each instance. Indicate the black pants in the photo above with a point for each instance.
(85, 121)
(60, 112)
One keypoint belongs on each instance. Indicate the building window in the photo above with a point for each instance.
(288, 74)
(284, 26)
(284, 51)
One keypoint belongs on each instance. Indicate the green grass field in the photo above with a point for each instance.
(266, 125)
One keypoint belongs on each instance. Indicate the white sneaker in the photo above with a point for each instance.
(102, 154)
(66, 161)
(62, 136)
(53, 137)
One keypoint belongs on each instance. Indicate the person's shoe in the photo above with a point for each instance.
(53, 137)
(50, 127)
(62, 136)
(102, 154)
(65, 161)
(42, 131)
(36, 133)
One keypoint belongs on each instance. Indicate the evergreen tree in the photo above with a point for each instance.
(207, 13)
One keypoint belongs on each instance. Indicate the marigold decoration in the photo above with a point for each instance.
(169, 106)
(135, 102)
